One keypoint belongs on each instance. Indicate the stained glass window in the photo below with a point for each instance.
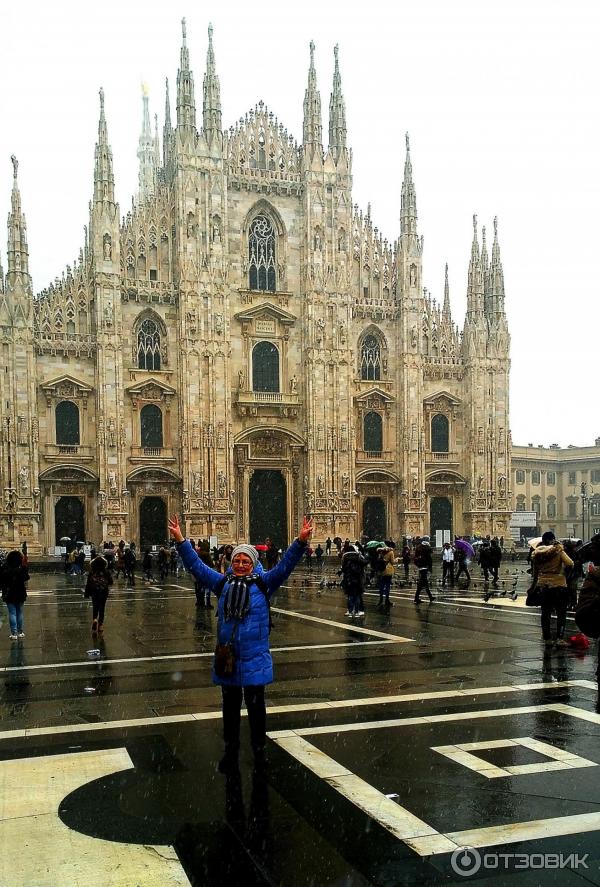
(148, 345)
(370, 358)
(261, 254)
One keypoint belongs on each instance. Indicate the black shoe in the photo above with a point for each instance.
(417, 601)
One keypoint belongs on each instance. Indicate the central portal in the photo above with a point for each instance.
(268, 508)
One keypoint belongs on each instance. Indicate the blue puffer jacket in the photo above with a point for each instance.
(253, 662)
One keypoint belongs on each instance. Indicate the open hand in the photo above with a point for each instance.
(174, 528)
(306, 531)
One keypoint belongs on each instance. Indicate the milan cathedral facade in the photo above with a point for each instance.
(244, 347)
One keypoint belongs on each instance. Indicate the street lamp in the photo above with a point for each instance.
(584, 500)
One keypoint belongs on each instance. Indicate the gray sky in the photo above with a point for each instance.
(500, 99)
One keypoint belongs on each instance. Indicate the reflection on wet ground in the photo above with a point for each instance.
(395, 739)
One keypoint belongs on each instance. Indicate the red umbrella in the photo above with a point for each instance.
(262, 547)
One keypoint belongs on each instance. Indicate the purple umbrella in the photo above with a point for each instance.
(465, 546)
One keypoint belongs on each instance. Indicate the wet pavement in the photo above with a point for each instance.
(395, 740)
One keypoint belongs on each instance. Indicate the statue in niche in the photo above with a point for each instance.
(107, 248)
(414, 336)
(35, 430)
(196, 483)
(101, 501)
(112, 440)
(415, 486)
(318, 241)
(112, 483)
(232, 499)
(186, 501)
(101, 431)
(321, 485)
(345, 483)
(241, 380)
(108, 314)
(502, 484)
(36, 499)
(293, 385)
(191, 225)
(220, 436)
(210, 436)
(413, 275)
(195, 434)
(480, 483)
(222, 484)
(24, 479)
(218, 323)
(216, 231)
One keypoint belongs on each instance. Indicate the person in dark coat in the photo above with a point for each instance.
(98, 583)
(13, 577)
(243, 622)
(129, 563)
(424, 565)
(352, 572)
(406, 562)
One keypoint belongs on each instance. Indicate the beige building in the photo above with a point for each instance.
(561, 485)
(245, 346)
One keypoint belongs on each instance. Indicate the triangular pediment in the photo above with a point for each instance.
(264, 310)
(439, 396)
(65, 382)
(150, 386)
(374, 393)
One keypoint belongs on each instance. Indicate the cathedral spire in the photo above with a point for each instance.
(337, 111)
(17, 253)
(496, 276)
(186, 109)
(211, 95)
(104, 179)
(446, 308)
(475, 287)
(1, 275)
(146, 153)
(408, 205)
(313, 127)
(168, 127)
(156, 143)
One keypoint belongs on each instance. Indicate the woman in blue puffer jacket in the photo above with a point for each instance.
(243, 621)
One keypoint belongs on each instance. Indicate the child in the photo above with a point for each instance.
(98, 583)
(14, 594)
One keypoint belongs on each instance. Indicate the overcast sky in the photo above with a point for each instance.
(500, 99)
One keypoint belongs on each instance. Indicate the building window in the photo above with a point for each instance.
(551, 506)
(373, 432)
(261, 254)
(148, 342)
(370, 358)
(572, 510)
(151, 426)
(595, 475)
(572, 477)
(153, 274)
(595, 507)
(265, 367)
(67, 424)
(520, 476)
(440, 434)
(535, 477)
(536, 505)
(520, 503)
(551, 478)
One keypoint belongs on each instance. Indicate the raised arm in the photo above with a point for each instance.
(275, 577)
(199, 570)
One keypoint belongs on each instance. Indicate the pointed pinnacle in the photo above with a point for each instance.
(183, 29)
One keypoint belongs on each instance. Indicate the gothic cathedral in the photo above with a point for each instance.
(244, 347)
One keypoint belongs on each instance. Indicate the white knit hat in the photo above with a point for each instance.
(250, 550)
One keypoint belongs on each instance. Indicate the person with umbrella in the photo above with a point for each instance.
(464, 552)
(242, 665)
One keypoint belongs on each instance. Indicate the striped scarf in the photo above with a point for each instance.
(237, 597)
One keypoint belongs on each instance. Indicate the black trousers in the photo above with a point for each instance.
(254, 697)
(98, 605)
(554, 599)
(423, 584)
(447, 570)
(462, 568)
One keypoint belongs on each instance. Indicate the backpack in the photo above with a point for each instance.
(352, 570)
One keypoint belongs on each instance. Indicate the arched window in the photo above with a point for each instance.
(551, 506)
(520, 503)
(67, 424)
(536, 505)
(440, 434)
(265, 367)
(151, 426)
(148, 345)
(370, 358)
(373, 433)
(261, 254)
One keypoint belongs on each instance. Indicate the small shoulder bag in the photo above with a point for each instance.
(224, 663)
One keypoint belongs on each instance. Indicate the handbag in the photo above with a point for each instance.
(534, 595)
(224, 664)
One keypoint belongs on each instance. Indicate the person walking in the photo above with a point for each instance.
(244, 596)
(352, 571)
(447, 564)
(203, 591)
(225, 558)
(147, 566)
(13, 578)
(97, 586)
(129, 564)
(385, 572)
(424, 565)
(495, 559)
(328, 546)
(548, 560)
(460, 557)
(406, 561)
(319, 556)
